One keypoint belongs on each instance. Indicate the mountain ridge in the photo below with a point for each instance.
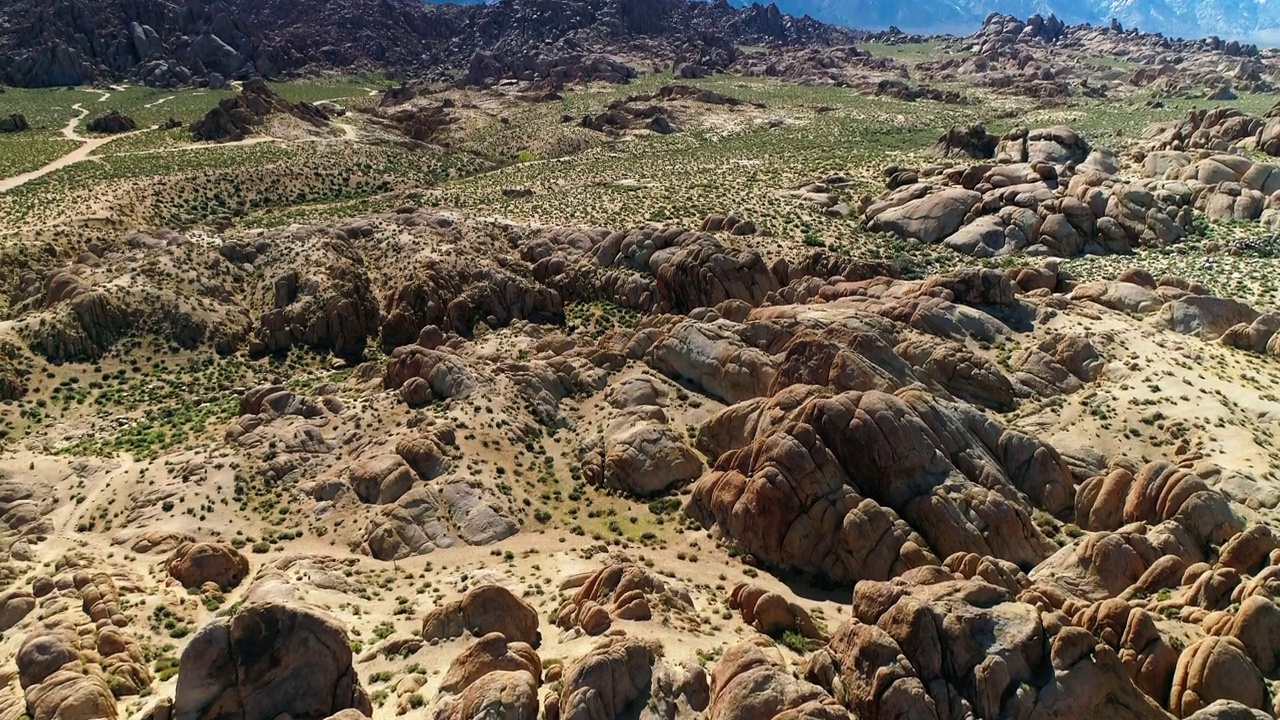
(163, 43)
(1239, 19)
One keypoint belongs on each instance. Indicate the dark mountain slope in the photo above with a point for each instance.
(161, 42)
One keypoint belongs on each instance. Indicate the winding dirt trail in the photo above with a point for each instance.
(90, 144)
(69, 131)
(348, 131)
(251, 140)
(80, 154)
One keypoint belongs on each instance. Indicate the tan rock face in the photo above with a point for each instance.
(194, 564)
(58, 684)
(623, 590)
(873, 676)
(1158, 492)
(929, 218)
(15, 604)
(771, 613)
(483, 610)
(649, 459)
(274, 656)
(713, 359)
(500, 695)
(929, 645)
(1206, 316)
(42, 655)
(611, 680)
(12, 702)
(850, 485)
(491, 653)
(1215, 668)
(1257, 627)
(1133, 635)
(70, 695)
(348, 714)
(747, 684)
(643, 459)
(1001, 573)
(1105, 564)
(421, 505)
(445, 375)
(382, 480)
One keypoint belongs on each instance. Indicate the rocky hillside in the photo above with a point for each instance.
(1246, 19)
(911, 380)
(45, 43)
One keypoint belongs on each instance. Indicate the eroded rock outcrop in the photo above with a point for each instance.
(1215, 668)
(772, 613)
(928, 645)
(622, 590)
(331, 310)
(194, 564)
(483, 610)
(55, 688)
(236, 118)
(643, 460)
(615, 678)
(748, 684)
(852, 485)
(491, 653)
(275, 656)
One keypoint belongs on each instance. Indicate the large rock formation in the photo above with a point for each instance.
(194, 564)
(112, 123)
(235, 118)
(1049, 194)
(928, 645)
(490, 653)
(334, 309)
(275, 655)
(750, 684)
(622, 590)
(55, 689)
(13, 123)
(866, 485)
(611, 681)
(75, 659)
(483, 610)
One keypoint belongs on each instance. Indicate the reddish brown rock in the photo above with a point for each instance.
(1215, 668)
(194, 564)
(274, 656)
(850, 485)
(499, 695)
(771, 613)
(746, 684)
(483, 610)
(1132, 633)
(490, 653)
(613, 679)
(1159, 491)
(1257, 627)
(623, 590)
